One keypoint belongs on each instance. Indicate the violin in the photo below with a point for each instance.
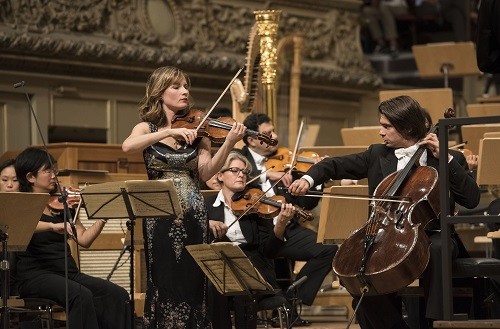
(266, 207)
(282, 160)
(215, 129)
(73, 198)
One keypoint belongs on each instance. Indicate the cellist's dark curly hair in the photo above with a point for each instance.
(406, 115)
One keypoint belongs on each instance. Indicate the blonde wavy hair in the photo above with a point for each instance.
(150, 107)
(230, 158)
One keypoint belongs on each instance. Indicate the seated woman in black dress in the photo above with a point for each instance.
(93, 302)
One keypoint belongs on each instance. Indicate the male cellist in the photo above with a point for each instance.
(403, 130)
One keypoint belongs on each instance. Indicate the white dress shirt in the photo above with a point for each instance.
(404, 155)
(234, 232)
(260, 162)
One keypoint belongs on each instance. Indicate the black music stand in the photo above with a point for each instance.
(18, 232)
(131, 199)
(138, 240)
(229, 269)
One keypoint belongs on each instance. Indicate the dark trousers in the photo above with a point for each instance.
(301, 245)
(245, 307)
(245, 310)
(93, 303)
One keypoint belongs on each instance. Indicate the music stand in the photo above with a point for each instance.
(17, 232)
(447, 59)
(341, 217)
(229, 269)
(360, 136)
(138, 240)
(132, 199)
(487, 166)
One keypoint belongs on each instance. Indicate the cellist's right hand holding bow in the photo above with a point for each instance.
(299, 187)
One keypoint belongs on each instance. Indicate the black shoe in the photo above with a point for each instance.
(275, 322)
(302, 323)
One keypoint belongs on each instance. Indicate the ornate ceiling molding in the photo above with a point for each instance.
(206, 36)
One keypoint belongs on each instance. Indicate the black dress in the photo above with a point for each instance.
(93, 302)
(176, 287)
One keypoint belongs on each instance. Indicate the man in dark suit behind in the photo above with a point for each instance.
(300, 242)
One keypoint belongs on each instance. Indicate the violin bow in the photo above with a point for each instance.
(456, 147)
(255, 178)
(318, 194)
(218, 99)
(296, 148)
(353, 197)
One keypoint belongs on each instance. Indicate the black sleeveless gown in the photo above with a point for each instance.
(176, 287)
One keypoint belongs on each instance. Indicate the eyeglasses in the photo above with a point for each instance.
(236, 171)
(51, 171)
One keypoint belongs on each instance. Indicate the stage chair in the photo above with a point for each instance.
(360, 136)
(482, 110)
(46, 308)
(472, 134)
(275, 302)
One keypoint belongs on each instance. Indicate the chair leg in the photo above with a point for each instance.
(51, 318)
(264, 318)
(280, 317)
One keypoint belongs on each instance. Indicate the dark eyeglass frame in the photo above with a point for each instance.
(51, 171)
(236, 171)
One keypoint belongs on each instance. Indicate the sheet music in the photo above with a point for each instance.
(104, 200)
(148, 198)
(209, 258)
(154, 198)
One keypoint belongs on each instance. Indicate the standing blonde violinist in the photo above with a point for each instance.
(176, 295)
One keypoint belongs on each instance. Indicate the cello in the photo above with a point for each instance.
(392, 249)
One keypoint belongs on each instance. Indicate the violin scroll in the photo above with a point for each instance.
(282, 160)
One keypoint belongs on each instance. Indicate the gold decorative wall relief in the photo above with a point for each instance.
(210, 35)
